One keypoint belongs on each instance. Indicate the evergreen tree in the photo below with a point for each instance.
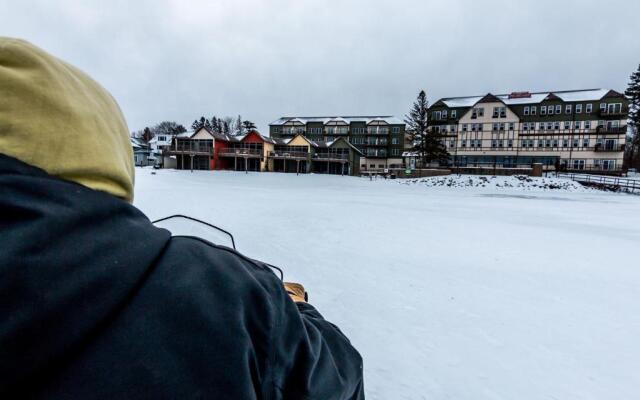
(633, 93)
(215, 125)
(198, 123)
(248, 126)
(238, 128)
(225, 127)
(147, 134)
(416, 122)
(426, 142)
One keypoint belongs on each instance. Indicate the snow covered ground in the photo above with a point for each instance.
(448, 293)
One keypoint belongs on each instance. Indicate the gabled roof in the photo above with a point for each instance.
(347, 142)
(391, 120)
(489, 98)
(532, 98)
(337, 121)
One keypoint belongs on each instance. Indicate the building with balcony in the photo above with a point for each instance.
(572, 130)
(206, 150)
(380, 139)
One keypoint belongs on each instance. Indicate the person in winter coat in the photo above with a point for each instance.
(99, 303)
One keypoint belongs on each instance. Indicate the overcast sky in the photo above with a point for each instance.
(177, 60)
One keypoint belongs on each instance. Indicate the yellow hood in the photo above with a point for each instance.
(55, 117)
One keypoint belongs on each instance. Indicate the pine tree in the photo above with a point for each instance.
(416, 122)
(248, 126)
(633, 93)
(205, 123)
(238, 128)
(147, 134)
(215, 125)
(428, 143)
(197, 124)
(225, 127)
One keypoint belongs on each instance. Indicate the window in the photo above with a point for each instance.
(556, 125)
(588, 108)
(452, 143)
(603, 107)
(472, 143)
(500, 143)
(526, 111)
(567, 109)
(394, 140)
(548, 143)
(436, 115)
(543, 110)
(454, 113)
(585, 142)
(614, 108)
(464, 127)
(395, 129)
(525, 126)
(502, 126)
(576, 125)
(550, 110)
(541, 126)
(495, 126)
(587, 124)
(540, 143)
(565, 142)
(511, 126)
(533, 110)
(555, 143)
(558, 109)
(575, 142)
(567, 124)
(481, 112)
(510, 143)
(395, 152)
(494, 143)
(496, 112)
(463, 143)
(549, 126)
(579, 108)
(444, 114)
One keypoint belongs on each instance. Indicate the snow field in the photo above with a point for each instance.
(448, 292)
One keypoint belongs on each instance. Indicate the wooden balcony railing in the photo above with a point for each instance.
(189, 148)
(330, 156)
(289, 154)
(240, 153)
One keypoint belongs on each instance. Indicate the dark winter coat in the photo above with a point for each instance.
(99, 303)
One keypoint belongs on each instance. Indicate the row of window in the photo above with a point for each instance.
(527, 126)
(607, 144)
(335, 130)
(374, 141)
(382, 152)
(501, 112)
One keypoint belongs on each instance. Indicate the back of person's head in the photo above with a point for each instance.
(55, 117)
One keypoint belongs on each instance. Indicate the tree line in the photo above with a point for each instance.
(223, 125)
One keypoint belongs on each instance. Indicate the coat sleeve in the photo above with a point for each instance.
(312, 358)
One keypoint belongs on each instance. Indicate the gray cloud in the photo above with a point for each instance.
(178, 60)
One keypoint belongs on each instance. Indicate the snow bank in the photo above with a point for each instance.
(521, 182)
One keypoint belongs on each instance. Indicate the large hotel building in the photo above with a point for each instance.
(575, 130)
